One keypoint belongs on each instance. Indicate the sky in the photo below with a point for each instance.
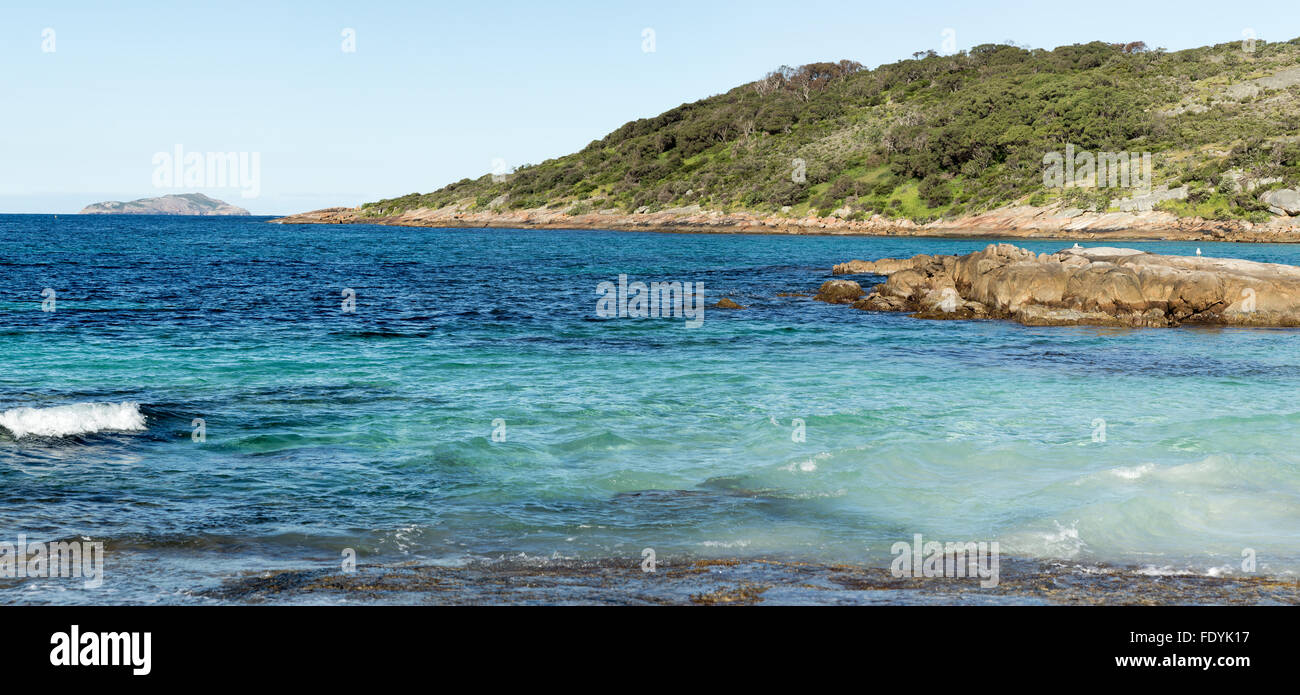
(340, 103)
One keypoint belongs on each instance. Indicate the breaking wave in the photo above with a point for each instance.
(78, 418)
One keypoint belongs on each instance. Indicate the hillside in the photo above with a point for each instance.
(934, 139)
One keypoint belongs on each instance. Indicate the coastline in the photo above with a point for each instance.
(1023, 222)
(1000, 407)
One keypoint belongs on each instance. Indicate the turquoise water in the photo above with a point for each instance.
(373, 430)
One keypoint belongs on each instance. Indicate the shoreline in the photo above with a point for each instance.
(747, 581)
(1024, 222)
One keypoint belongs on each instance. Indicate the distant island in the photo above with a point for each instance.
(183, 204)
(1085, 141)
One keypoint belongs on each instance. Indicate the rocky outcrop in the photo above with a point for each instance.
(338, 215)
(184, 204)
(1024, 221)
(1087, 286)
(1283, 201)
(1234, 93)
(1253, 88)
(1242, 183)
(725, 303)
(1148, 201)
(884, 266)
(839, 292)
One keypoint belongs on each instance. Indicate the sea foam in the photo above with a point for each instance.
(77, 418)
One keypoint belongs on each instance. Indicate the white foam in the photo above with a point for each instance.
(1171, 571)
(1062, 543)
(809, 465)
(1135, 472)
(1166, 571)
(725, 544)
(78, 418)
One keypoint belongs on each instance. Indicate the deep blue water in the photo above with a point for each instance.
(373, 430)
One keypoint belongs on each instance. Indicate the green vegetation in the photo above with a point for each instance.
(934, 136)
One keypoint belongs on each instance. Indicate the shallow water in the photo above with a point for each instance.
(373, 430)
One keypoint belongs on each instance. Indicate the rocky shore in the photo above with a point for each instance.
(1102, 286)
(1012, 222)
(744, 581)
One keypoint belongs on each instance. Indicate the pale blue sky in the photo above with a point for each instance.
(435, 91)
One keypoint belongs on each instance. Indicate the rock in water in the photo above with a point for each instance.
(184, 204)
(1085, 286)
(839, 292)
(884, 266)
(725, 303)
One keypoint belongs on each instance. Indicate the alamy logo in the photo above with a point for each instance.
(191, 170)
(1084, 169)
(949, 44)
(500, 170)
(949, 300)
(1099, 430)
(49, 560)
(934, 559)
(1248, 300)
(76, 648)
(798, 170)
(656, 300)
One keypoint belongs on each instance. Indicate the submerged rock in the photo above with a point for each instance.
(725, 303)
(740, 580)
(1083, 286)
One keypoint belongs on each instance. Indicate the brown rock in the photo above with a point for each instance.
(1078, 286)
(725, 303)
(879, 302)
(839, 292)
(884, 266)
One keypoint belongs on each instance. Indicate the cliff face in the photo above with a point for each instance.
(1078, 286)
(184, 204)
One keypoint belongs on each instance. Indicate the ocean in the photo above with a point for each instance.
(214, 398)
